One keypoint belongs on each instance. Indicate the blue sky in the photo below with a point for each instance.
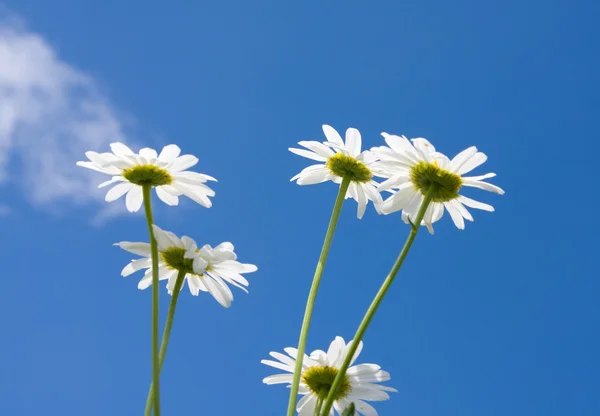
(501, 318)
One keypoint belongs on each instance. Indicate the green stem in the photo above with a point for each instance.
(375, 304)
(147, 191)
(310, 303)
(317, 411)
(166, 335)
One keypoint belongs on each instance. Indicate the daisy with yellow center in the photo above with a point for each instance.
(341, 160)
(318, 372)
(206, 269)
(417, 170)
(166, 172)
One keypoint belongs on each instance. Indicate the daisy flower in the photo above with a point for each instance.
(413, 170)
(341, 160)
(319, 371)
(207, 269)
(165, 172)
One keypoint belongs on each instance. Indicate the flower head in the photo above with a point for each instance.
(320, 369)
(206, 269)
(417, 169)
(341, 160)
(165, 172)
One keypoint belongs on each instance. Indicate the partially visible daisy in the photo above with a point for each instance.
(341, 159)
(415, 169)
(165, 172)
(205, 270)
(320, 369)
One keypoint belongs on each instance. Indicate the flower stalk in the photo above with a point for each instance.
(166, 335)
(376, 302)
(147, 193)
(337, 209)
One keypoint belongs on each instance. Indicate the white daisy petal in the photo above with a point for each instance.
(120, 149)
(148, 153)
(332, 135)
(118, 191)
(353, 142)
(308, 154)
(475, 204)
(476, 160)
(485, 186)
(183, 162)
(166, 197)
(134, 199)
(461, 158)
(169, 153)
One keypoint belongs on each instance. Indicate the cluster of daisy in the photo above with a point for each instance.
(421, 183)
(418, 181)
(412, 169)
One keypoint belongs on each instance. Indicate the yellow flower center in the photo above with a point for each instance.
(346, 166)
(174, 258)
(147, 175)
(319, 380)
(430, 177)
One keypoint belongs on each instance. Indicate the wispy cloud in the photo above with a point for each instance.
(50, 114)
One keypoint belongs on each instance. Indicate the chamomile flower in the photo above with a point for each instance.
(205, 269)
(165, 171)
(414, 170)
(340, 160)
(320, 369)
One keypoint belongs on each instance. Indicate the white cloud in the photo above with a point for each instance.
(50, 114)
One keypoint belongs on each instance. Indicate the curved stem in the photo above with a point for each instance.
(166, 335)
(375, 304)
(147, 191)
(310, 303)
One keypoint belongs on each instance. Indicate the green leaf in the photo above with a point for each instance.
(349, 411)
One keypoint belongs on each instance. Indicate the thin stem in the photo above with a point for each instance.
(310, 303)
(317, 411)
(147, 191)
(166, 335)
(375, 304)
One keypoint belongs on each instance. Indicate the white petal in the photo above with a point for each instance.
(134, 199)
(199, 265)
(395, 181)
(335, 351)
(136, 265)
(278, 365)
(118, 191)
(362, 202)
(475, 204)
(195, 193)
(483, 185)
(332, 135)
(169, 153)
(141, 249)
(471, 163)
(183, 162)
(148, 153)
(455, 214)
(353, 142)
(279, 379)
(318, 148)
(306, 405)
(400, 199)
(284, 359)
(166, 197)
(111, 181)
(363, 369)
(218, 292)
(120, 149)
(365, 408)
(461, 158)
(314, 177)
(192, 178)
(366, 393)
(479, 178)
(162, 239)
(307, 154)
(463, 211)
